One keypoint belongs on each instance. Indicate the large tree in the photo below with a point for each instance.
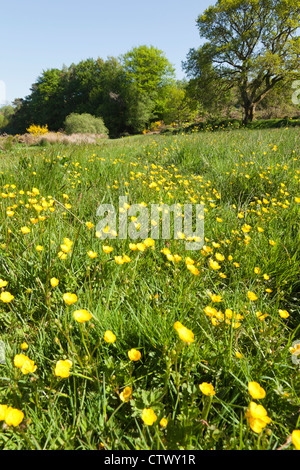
(251, 45)
(149, 71)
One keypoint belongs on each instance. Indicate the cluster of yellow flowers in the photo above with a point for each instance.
(37, 130)
(256, 414)
(214, 262)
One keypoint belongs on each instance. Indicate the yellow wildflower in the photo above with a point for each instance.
(184, 333)
(6, 297)
(82, 315)
(163, 422)
(207, 389)
(148, 416)
(257, 417)
(296, 437)
(54, 281)
(107, 249)
(62, 368)
(256, 391)
(109, 336)
(134, 354)
(13, 416)
(251, 295)
(69, 298)
(126, 394)
(283, 313)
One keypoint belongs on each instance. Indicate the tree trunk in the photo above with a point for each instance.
(249, 113)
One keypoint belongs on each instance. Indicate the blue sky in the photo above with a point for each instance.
(37, 35)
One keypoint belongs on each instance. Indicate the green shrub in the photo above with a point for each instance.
(85, 124)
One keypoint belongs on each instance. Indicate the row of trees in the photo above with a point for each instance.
(127, 93)
(250, 59)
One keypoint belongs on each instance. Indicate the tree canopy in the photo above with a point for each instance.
(126, 92)
(252, 45)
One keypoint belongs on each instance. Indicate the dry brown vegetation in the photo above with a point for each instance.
(52, 138)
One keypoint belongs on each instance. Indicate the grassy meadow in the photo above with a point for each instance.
(104, 367)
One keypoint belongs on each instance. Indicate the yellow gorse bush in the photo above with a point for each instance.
(37, 130)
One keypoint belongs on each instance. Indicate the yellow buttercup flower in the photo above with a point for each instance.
(133, 246)
(82, 315)
(25, 230)
(215, 297)
(214, 264)
(62, 368)
(207, 389)
(19, 360)
(149, 242)
(24, 363)
(296, 437)
(246, 228)
(109, 336)
(251, 295)
(3, 411)
(257, 417)
(92, 254)
(54, 282)
(107, 249)
(3, 283)
(163, 422)
(256, 391)
(69, 298)
(66, 247)
(13, 416)
(184, 333)
(193, 269)
(126, 394)
(141, 246)
(24, 346)
(6, 297)
(134, 355)
(148, 416)
(283, 313)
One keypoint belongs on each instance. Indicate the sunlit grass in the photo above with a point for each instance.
(240, 302)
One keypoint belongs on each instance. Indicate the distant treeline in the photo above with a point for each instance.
(247, 68)
(128, 93)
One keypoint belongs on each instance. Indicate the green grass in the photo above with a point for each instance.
(242, 177)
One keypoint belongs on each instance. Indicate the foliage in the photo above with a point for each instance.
(6, 113)
(124, 94)
(250, 44)
(84, 123)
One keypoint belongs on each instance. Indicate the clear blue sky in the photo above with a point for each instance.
(37, 35)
